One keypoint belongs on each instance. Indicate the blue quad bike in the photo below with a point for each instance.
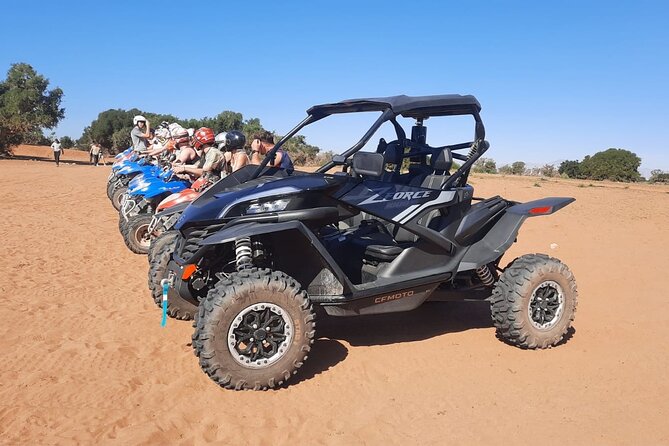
(257, 256)
(139, 204)
(123, 172)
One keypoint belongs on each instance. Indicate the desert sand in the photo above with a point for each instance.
(83, 359)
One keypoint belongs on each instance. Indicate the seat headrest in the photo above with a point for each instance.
(441, 160)
(394, 153)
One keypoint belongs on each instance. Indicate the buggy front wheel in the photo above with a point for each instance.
(254, 330)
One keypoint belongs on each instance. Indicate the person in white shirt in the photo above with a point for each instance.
(56, 151)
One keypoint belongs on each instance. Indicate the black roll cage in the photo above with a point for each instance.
(426, 107)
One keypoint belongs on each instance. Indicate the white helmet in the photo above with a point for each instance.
(138, 118)
(220, 140)
(191, 132)
(174, 128)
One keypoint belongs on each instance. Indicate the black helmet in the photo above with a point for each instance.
(234, 140)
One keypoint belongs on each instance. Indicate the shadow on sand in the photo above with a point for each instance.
(427, 321)
(49, 160)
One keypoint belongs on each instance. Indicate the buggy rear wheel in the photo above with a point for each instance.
(254, 330)
(534, 301)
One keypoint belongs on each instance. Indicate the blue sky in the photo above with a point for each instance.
(557, 80)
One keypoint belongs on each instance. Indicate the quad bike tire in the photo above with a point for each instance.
(121, 223)
(242, 299)
(117, 195)
(177, 307)
(135, 233)
(111, 185)
(534, 302)
(158, 242)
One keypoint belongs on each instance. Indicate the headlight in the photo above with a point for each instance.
(268, 206)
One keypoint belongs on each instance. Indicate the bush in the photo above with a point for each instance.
(66, 142)
(570, 169)
(484, 165)
(658, 176)
(518, 168)
(611, 164)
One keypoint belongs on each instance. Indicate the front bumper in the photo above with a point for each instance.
(177, 286)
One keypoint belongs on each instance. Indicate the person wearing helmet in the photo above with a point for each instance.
(187, 154)
(211, 159)
(140, 133)
(262, 143)
(234, 144)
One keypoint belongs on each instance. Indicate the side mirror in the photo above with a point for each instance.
(368, 164)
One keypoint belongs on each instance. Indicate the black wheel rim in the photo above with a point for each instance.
(260, 335)
(546, 305)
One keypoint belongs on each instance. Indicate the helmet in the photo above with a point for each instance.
(162, 133)
(138, 118)
(181, 136)
(220, 140)
(203, 136)
(234, 140)
(174, 128)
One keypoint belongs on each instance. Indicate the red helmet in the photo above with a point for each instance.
(203, 136)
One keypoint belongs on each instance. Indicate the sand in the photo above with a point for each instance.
(83, 359)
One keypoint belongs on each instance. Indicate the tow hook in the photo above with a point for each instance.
(166, 284)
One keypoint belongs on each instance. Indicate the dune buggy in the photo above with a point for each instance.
(258, 254)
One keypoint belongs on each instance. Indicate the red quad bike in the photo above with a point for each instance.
(256, 255)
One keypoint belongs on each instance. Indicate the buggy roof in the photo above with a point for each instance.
(407, 106)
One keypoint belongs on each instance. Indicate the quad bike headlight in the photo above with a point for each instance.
(268, 206)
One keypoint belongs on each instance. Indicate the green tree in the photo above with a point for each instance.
(26, 106)
(518, 168)
(658, 176)
(67, 142)
(548, 170)
(570, 168)
(485, 165)
(612, 164)
(505, 170)
(36, 138)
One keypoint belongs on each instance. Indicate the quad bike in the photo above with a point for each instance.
(139, 204)
(118, 183)
(130, 164)
(256, 254)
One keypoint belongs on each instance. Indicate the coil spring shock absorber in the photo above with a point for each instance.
(485, 275)
(243, 253)
(474, 148)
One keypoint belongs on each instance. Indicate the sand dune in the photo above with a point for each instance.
(85, 361)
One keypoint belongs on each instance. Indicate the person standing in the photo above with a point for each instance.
(140, 133)
(56, 151)
(95, 153)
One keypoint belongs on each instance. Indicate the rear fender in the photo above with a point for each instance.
(503, 234)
